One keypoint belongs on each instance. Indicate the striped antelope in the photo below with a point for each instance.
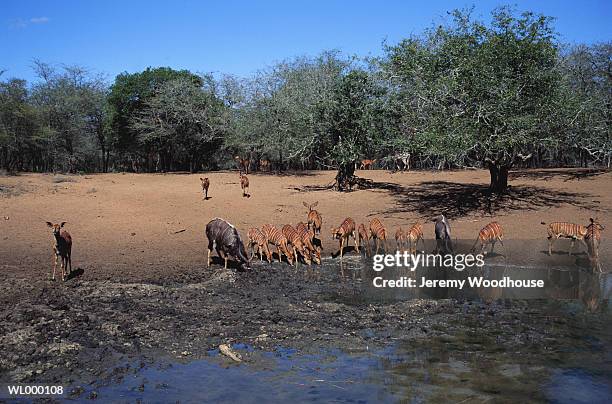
(491, 233)
(592, 240)
(413, 236)
(400, 237)
(342, 233)
(257, 241)
(378, 232)
(275, 237)
(244, 184)
(295, 240)
(62, 249)
(558, 230)
(315, 221)
(205, 185)
(307, 236)
(364, 236)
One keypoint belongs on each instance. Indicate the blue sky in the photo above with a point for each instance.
(237, 37)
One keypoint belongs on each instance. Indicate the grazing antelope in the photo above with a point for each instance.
(399, 238)
(315, 221)
(491, 233)
(225, 239)
(443, 234)
(342, 233)
(243, 164)
(413, 236)
(244, 184)
(205, 185)
(558, 230)
(364, 236)
(62, 249)
(367, 164)
(276, 238)
(258, 241)
(294, 238)
(307, 236)
(378, 232)
(592, 240)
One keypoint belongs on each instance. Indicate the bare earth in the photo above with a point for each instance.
(129, 226)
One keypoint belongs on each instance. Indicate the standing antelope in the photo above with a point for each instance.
(378, 233)
(244, 184)
(592, 240)
(315, 221)
(342, 233)
(367, 164)
(205, 185)
(413, 236)
(62, 248)
(491, 233)
(294, 238)
(307, 236)
(243, 164)
(264, 165)
(258, 241)
(558, 230)
(399, 238)
(276, 238)
(364, 236)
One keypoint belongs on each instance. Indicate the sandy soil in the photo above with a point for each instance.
(129, 227)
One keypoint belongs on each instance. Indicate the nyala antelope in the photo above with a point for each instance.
(342, 233)
(364, 237)
(315, 221)
(61, 249)
(367, 164)
(378, 232)
(275, 237)
(225, 240)
(307, 236)
(558, 230)
(257, 241)
(592, 240)
(295, 240)
(491, 233)
(243, 164)
(205, 185)
(413, 236)
(399, 238)
(244, 184)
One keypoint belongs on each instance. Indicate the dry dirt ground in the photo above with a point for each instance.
(142, 290)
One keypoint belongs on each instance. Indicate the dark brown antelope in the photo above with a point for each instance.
(315, 221)
(592, 240)
(225, 239)
(342, 233)
(205, 185)
(244, 184)
(62, 248)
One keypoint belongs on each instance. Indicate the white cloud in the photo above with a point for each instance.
(39, 20)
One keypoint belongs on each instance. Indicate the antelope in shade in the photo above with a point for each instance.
(295, 240)
(244, 184)
(205, 185)
(243, 164)
(275, 237)
(413, 236)
(558, 230)
(378, 232)
(307, 236)
(364, 237)
(400, 236)
(258, 241)
(225, 239)
(264, 165)
(342, 233)
(62, 249)
(592, 240)
(315, 221)
(367, 164)
(443, 234)
(491, 233)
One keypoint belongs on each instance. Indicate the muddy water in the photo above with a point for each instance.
(464, 363)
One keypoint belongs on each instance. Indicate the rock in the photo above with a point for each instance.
(230, 353)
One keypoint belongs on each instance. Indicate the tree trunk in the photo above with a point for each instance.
(499, 178)
(346, 172)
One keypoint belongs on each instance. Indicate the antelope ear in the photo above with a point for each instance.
(49, 224)
(62, 224)
(591, 219)
(315, 204)
(305, 204)
(201, 179)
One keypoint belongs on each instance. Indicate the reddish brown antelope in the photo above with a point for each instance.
(400, 237)
(205, 185)
(342, 233)
(62, 249)
(592, 240)
(257, 241)
(307, 236)
(367, 164)
(275, 237)
(295, 240)
(490, 234)
(243, 164)
(378, 233)
(558, 230)
(315, 221)
(413, 236)
(364, 237)
(244, 184)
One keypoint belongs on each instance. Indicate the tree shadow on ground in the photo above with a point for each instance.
(564, 174)
(455, 200)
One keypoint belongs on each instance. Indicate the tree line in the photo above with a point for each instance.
(465, 94)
